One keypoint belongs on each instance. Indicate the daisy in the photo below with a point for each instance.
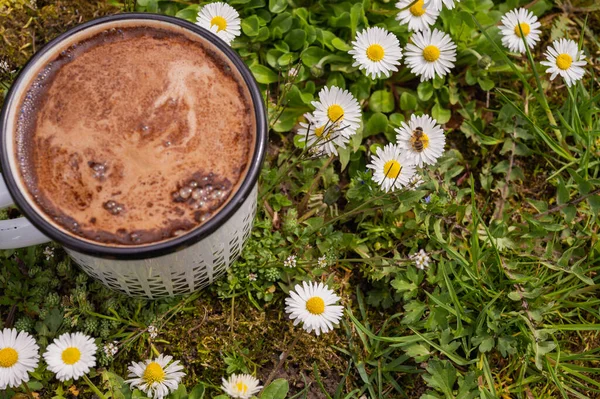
(418, 17)
(338, 107)
(221, 19)
(71, 356)
(433, 53)
(241, 386)
(421, 140)
(322, 137)
(376, 51)
(390, 169)
(18, 357)
(565, 59)
(437, 4)
(313, 305)
(156, 378)
(511, 34)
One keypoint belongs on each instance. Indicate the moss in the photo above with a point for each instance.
(27, 25)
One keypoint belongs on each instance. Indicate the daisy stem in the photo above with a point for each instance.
(26, 387)
(541, 94)
(282, 359)
(93, 387)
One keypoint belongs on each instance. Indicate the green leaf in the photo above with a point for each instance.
(377, 123)
(264, 75)
(282, 22)
(189, 13)
(442, 376)
(441, 115)
(381, 101)
(295, 39)
(402, 285)
(278, 389)
(180, 393)
(277, 6)
(152, 6)
(340, 44)
(425, 90)
(486, 345)
(251, 25)
(312, 55)
(197, 392)
(562, 194)
(407, 101)
(486, 84)
(594, 202)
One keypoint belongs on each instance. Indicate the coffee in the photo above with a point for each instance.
(134, 135)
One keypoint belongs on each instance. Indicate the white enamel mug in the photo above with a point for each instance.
(177, 266)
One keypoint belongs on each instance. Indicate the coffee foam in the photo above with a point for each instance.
(134, 136)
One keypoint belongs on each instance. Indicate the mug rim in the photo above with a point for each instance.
(162, 247)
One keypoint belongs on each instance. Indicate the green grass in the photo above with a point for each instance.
(508, 307)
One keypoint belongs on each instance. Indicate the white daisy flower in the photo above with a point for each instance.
(313, 305)
(376, 51)
(390, 169)
(437, 4)
(241, 386)
(221, 19)
(418, 17)
(511, 34)
(565, 59)
(338, 107)
(71, 356)
(18, 357)
(431, 53)
(421, 140)
(421, 259)
(322, 137)
(156, 378)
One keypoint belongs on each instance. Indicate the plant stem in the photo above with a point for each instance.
(282, 359)
(93, 387)
(29, 393)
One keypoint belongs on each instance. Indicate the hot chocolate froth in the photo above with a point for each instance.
(134, 136)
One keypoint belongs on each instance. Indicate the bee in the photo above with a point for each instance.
(416, 139)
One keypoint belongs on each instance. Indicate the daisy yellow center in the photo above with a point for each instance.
(219, 22)
(524, 27)
(431, 53)
(315, 305)
(320, 130)
(335, 113)
(154, 373)
(423, 140)
(241, 387)
(564, 61)
(375, 52)
(392, 169)
(71, 355)
(8, 357)
(417, 9)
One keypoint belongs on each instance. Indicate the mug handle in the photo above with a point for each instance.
(16, 233)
